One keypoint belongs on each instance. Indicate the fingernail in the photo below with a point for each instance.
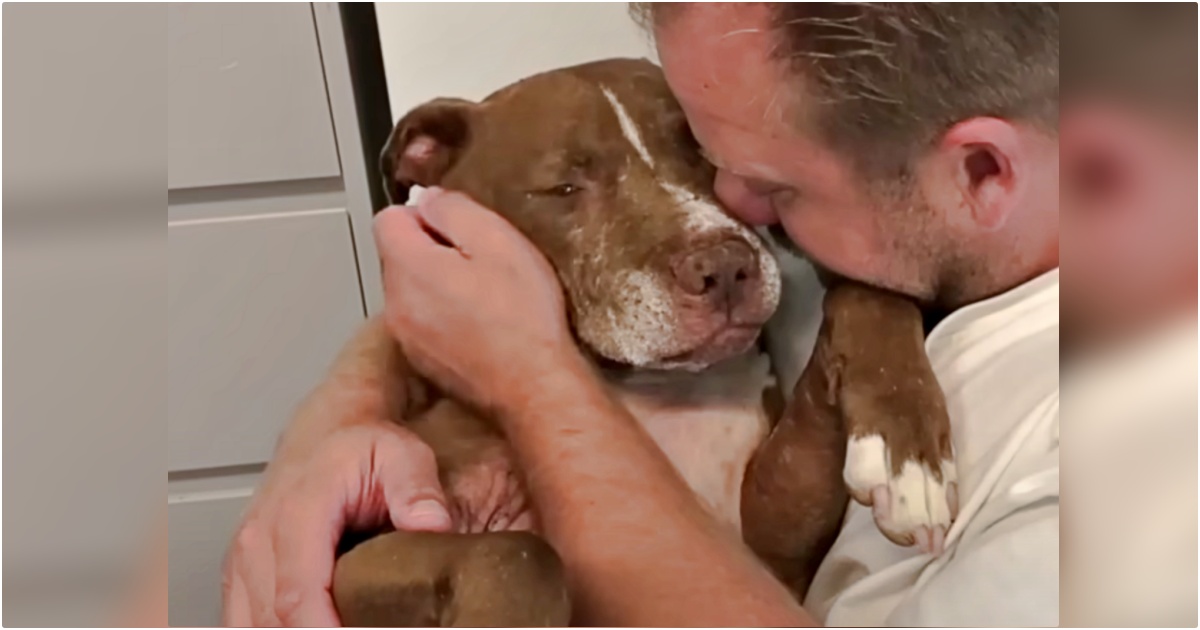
(427, 514)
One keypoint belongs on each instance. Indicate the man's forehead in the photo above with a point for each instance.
(752, 150)
(744, 107)
(716, 60)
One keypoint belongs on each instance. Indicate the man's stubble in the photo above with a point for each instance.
(936, 271)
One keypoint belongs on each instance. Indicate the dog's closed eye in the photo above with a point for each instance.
(561, 190)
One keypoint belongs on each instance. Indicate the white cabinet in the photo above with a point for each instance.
(246, 98)
(259, 306)
(203, 514)
(263, 280)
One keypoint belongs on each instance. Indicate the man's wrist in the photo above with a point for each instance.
(560, 373)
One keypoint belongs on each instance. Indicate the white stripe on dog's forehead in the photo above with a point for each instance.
(701, 215)
(628, 127)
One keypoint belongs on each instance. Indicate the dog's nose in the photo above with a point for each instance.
(717, 272)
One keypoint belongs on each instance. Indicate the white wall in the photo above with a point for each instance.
(468, 50)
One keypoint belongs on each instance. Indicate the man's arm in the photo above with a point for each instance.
(639, 548)
(366, 383)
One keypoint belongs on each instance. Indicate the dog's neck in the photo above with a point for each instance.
(734, 381)
(707, 423)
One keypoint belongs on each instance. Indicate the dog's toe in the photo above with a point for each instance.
(866, 467)
(912, 507)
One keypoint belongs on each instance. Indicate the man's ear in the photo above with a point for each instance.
(990, 167)
(424, 145)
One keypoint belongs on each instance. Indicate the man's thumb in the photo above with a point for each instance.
(422, 515)
(413, 492)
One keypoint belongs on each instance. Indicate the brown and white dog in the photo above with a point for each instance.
(596, 166)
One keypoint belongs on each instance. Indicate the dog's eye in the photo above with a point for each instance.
(562, 190)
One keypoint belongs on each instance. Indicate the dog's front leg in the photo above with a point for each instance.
(793, 496)
(899, 457)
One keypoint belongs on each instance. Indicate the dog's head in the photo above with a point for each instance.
(595, 164)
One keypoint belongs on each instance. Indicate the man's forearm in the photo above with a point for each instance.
(638, 546)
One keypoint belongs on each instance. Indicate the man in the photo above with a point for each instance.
(1129, 308)
(908, 146)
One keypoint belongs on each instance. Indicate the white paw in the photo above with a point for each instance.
(911, 507)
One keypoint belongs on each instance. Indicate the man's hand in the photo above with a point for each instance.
(476, 308)
(360, 476)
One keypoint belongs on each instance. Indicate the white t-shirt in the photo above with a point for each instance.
(997, 362)
(1130, 556)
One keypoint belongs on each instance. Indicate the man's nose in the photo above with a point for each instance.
(742, 202)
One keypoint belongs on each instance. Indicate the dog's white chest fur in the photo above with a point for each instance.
(708, 424)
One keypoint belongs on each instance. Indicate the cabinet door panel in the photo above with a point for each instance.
(200, 534)
(246, 95)
(258, 308)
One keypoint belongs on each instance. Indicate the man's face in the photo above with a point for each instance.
(744, 113)
(1129, 216)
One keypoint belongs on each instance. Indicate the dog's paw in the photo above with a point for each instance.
(913, 495)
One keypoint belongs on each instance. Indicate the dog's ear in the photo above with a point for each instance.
(425, 144)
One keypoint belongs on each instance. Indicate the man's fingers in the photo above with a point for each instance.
(402, 484)
(306, 536)
(250, 580)
(408, 476)
(402, 236)
(235, 609)
(307, 609)
(398, 230)
(463, 222)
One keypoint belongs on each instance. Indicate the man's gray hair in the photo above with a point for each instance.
(888, 79)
